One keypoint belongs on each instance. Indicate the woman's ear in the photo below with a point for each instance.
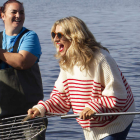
(2, 16)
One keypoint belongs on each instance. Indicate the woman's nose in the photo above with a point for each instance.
(17, 14)
(56, 39)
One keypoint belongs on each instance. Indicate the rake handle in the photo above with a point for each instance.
(101, 114)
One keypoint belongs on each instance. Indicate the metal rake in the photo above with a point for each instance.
(22, 127)
(13, 128)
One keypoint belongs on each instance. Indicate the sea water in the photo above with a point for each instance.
(114, 23)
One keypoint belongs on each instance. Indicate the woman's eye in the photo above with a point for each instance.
(13, 12)
(22, 13)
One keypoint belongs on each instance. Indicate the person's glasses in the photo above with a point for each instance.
(59, 35)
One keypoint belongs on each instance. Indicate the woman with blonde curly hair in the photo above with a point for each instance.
(89, 82)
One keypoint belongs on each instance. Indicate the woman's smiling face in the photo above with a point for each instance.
(13, 16)
(63, 43)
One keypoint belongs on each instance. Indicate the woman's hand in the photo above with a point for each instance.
(86, 114)
(33, 112)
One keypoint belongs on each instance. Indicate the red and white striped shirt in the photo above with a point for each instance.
(103, 89)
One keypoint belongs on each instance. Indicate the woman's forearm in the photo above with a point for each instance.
(21, 60)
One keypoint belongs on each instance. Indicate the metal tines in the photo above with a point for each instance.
(13, 128)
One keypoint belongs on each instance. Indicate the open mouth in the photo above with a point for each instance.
(61, 47)
(17, 21)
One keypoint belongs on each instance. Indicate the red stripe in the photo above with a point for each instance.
(72, 83)
(109, 102)
(105, 102)
(77, 80)
(61, 104)
(80, 98)
(80, 94)
(78, 91)
(43, 105)
(80, 87)
(53, 107)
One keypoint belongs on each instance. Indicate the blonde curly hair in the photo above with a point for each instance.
(83, 44)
